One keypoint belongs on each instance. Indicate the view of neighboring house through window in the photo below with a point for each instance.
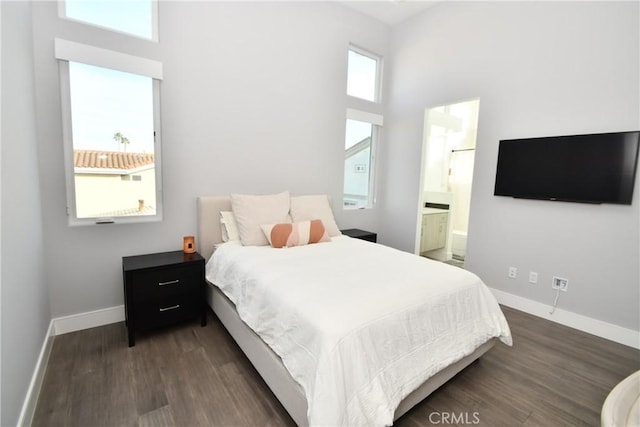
(363, 81)
(357, 163)
(110, 111)
(113, 142)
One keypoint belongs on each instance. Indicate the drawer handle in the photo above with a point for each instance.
(173, 307)
(170, 282)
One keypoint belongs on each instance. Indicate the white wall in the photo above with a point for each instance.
(25, 313)
(253, 100)
(539, 68)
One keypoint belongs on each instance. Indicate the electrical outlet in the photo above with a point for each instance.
(560, 283)
(533, 277)
(513, 272)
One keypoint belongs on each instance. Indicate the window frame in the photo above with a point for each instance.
(65, 52)
(62, 13)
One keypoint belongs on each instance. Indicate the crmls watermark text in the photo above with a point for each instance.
(454, 418)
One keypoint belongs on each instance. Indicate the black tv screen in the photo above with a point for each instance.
(595, 168)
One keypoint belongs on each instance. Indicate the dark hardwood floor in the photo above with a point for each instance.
(193, 376)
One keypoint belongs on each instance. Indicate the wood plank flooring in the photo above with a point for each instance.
(193, 376)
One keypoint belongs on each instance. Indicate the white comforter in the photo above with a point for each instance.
(358, 325)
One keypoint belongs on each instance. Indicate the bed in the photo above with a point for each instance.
(307, 395)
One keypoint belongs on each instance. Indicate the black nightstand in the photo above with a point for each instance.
(360, 234)
(161, 289)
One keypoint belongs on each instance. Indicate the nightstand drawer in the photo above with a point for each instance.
(165, 282)
(165, 311)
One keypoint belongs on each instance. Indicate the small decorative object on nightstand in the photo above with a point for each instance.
(189, 244)
(161, 289)
(360, 234)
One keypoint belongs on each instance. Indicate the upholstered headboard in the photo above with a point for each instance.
(209, 233)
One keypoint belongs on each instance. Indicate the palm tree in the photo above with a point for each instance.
(121, 139)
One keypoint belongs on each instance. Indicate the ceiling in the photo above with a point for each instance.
(390, 12)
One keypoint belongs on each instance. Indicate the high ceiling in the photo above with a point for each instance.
(390, 12)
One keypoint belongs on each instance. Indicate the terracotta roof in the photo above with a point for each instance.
(110, 159)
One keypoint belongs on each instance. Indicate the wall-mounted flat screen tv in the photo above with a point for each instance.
(595, 168)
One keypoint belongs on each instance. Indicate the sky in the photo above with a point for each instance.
(103, 101)
(129, 16)
(361, 83)
(361, 80)
(356, 132)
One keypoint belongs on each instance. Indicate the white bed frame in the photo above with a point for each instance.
(266, 362)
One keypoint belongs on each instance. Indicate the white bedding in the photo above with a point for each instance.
(358, 325)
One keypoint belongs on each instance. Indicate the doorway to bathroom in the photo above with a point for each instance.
(448, 155)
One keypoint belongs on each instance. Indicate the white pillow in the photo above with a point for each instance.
(228, 226)
(305, 208)
(251, 211)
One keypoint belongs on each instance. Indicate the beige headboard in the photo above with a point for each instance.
(209, 233)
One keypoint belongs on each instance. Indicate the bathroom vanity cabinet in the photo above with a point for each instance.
(434, 229)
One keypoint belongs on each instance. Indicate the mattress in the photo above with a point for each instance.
(358, 325)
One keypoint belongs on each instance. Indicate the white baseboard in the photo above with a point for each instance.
(592, 326)
(57, 326)
(31, 399)
(76, 322)
(90, 319)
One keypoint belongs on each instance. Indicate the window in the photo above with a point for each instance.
(357, 163)
(135, 17)
(363, 75)
(359, 158)
(110, 127)
(362, 128)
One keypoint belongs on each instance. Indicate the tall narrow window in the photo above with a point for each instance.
(359, 158)
(112, 144)
(136, 17)
(357, 164)
(363, 75)
(363, 82)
